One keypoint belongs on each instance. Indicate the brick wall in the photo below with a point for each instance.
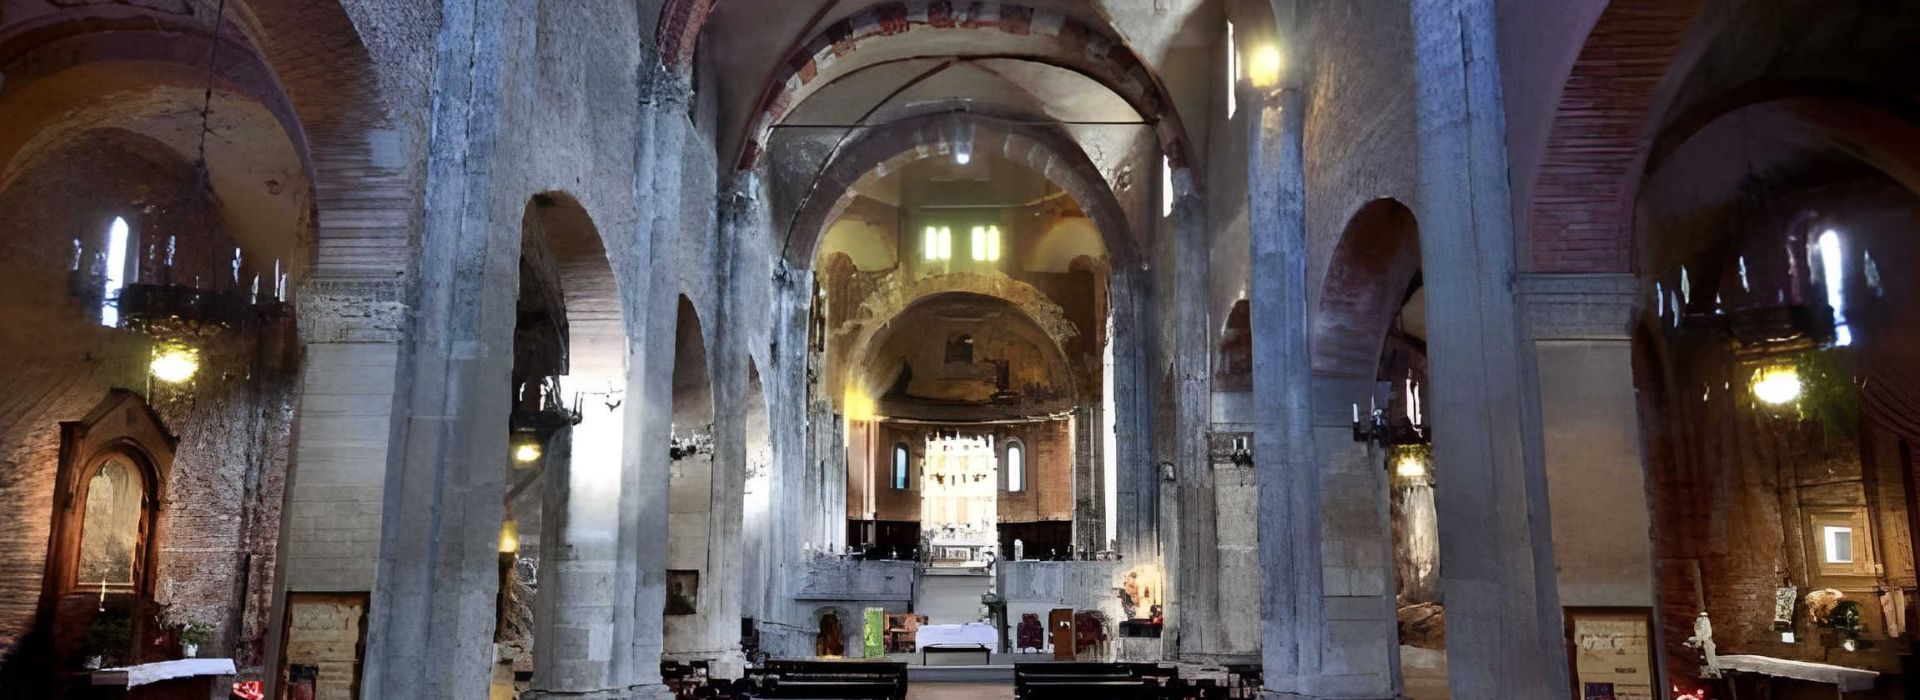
(232, 423)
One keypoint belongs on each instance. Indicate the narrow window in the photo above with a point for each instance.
(1166, 186)
(117, 235)
(1833, 275)
(937, 243)
(1233, 71)
(1016, 466)
(986, 243)
(900, 457)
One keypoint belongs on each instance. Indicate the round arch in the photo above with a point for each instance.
(1366, 280)
(874, 336)
(67, 80)
(905, 28)
(1050, 152)
(1869, 127)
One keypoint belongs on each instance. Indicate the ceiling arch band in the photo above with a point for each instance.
(1022, 32)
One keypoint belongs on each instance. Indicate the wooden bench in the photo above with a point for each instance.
(829, 679)
(1046, 681)
(955, 655)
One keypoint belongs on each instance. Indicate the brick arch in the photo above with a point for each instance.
(34, 51)
(679, 30)
(997, 29)
(359, 142)
(1879, 130)
(1366, 282)
(1048, 151)
(1580, 217)
(304, 61)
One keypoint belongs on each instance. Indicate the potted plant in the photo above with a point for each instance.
(193, 634)
(108, 639)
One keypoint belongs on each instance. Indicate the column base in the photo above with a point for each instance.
(729, 663)
(656, 691)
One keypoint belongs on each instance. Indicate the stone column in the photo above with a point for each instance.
(1504, 636)
(1089, 527)
(1135, 511)
(1193, 562)
(580, 557)
(431, 618)
(641, 581)
(718, 640)
(1286, 466)
(787, 631)
(1580, 331)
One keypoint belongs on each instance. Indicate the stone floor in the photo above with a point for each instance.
(960, 691)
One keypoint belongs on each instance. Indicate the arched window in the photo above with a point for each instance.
(1016, 466)
(900, 457)
(1833, 274)
(116, 272)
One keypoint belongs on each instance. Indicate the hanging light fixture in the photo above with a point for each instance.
(1777, 385)
(176, 314)
(174, 363)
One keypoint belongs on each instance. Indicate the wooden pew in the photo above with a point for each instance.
(1065, 680)
(881, 680)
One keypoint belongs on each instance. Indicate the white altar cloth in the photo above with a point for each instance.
(144, 674)
(970, 633)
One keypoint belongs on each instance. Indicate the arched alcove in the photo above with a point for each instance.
(1365, 285)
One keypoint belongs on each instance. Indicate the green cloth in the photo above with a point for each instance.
(876, 633)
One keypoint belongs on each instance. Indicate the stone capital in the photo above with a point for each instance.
(662, 87)
(353, 310)
(1578, 306)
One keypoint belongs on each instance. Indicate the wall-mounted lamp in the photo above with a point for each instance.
(527, 451)
(1373, 428)
(509, 537)
(1412, 462)
(1777, 385)
(1264, 66)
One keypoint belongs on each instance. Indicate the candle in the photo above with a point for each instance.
(1356, 414)
(103, 595)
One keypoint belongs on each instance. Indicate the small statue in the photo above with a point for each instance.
(1702, 639)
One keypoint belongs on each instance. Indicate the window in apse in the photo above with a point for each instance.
(900, 457)
(1839, 544)
(1016, 467)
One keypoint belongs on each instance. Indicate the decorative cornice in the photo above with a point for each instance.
(1579, 306)
(353, 311)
